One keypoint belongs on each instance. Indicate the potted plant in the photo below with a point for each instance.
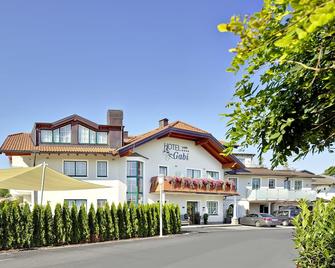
(205, 218)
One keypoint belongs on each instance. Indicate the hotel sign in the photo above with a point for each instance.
(175, 151)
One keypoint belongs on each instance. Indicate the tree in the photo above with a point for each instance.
(67, 223)
(166, 220)
(101, 222)
(110, 232)
(114, 215)
(74, 225)
(4, 193)
(178, 220)
(6, 238)
(121, 221)
(27, 225)
(83, 230)
(38, 226)
(133, 219)
(48, 222)
(285, 100)
(127, 221)
(57, 226)
(330, 171)
(92, 224)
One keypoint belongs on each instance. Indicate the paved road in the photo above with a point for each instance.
(201, 247)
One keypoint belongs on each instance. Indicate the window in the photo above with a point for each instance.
(163, 170)
(65, 134)
(256, 183)
(212, 207)
(101, 137)
(193, 173)
(234, 180)
(58, 135)
(76, 202)
(101, 203)
(287, 184)
(272, 183)
(46, 136)
(134, 181)
(88, 136)
(213, 174)
(102, 169)
(75, 168)
(297, 185)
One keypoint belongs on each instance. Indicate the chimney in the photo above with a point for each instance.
(163, 122)
(125, 135)
(115, 119)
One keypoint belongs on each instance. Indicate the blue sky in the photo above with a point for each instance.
(151, 58)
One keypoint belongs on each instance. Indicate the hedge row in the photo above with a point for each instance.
(22, 228)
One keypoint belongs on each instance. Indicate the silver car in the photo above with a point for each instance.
(259, 219)
(285, 216)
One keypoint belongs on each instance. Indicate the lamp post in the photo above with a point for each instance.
(160, 182)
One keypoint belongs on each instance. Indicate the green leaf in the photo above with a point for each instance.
(223, 27)
(301, 33)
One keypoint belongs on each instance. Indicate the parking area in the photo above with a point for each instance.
(235, 246)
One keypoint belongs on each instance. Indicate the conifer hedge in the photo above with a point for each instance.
(21, 227)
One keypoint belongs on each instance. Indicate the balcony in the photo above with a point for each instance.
(197, 186)
(279, 195)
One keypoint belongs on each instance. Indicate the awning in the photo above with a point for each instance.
(31, 178)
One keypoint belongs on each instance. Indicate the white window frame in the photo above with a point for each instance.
(194, 169)
(167, 169)
(214, 171)
(301, 185)
(260, 183)
(77, 160)
(275, 180)
(96, 169)
(217, 203)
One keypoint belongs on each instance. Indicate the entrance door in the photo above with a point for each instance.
(263, 209)
(192, 209)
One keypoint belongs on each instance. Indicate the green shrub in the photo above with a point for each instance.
(48, 222)
(83, 224)
(149, 219)
(115, 219)
(127, 221)
(166, 220)
(16, 225)
(205, 218)
(75, 225)
(57, 227)
(109, 223)
(155, 220)
(315, 235)
(121, 221)
(92, 224)
(101, 222)
(178, 219)
(38, 226)
(173, 219)
(27, 226)
(142, 220)
(6, 238)
(66, 223)
(133, 219)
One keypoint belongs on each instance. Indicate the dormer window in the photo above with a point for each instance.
(59, 135)
(88, 136)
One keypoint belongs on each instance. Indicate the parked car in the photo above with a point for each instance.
(285, 216)
(259, 219)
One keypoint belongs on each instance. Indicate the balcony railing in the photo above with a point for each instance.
(198, 186)
(280, 194)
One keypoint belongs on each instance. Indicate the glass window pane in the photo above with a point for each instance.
(162, 170)
(212, 207)
(256, 183)
(93, 137)
(132, 184)
(102, 137)
(65, 134)
(298, 185)
(84, 135)
(101, 203)
(272, 183)
(55, 134)
(140, 169)
(213, 175)
(235, 182)
(81, 169)
(69, 168)
(287, 184)
(46, 136)
(189, 173)
(196, 174)
(102, 169)
(131, 168)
